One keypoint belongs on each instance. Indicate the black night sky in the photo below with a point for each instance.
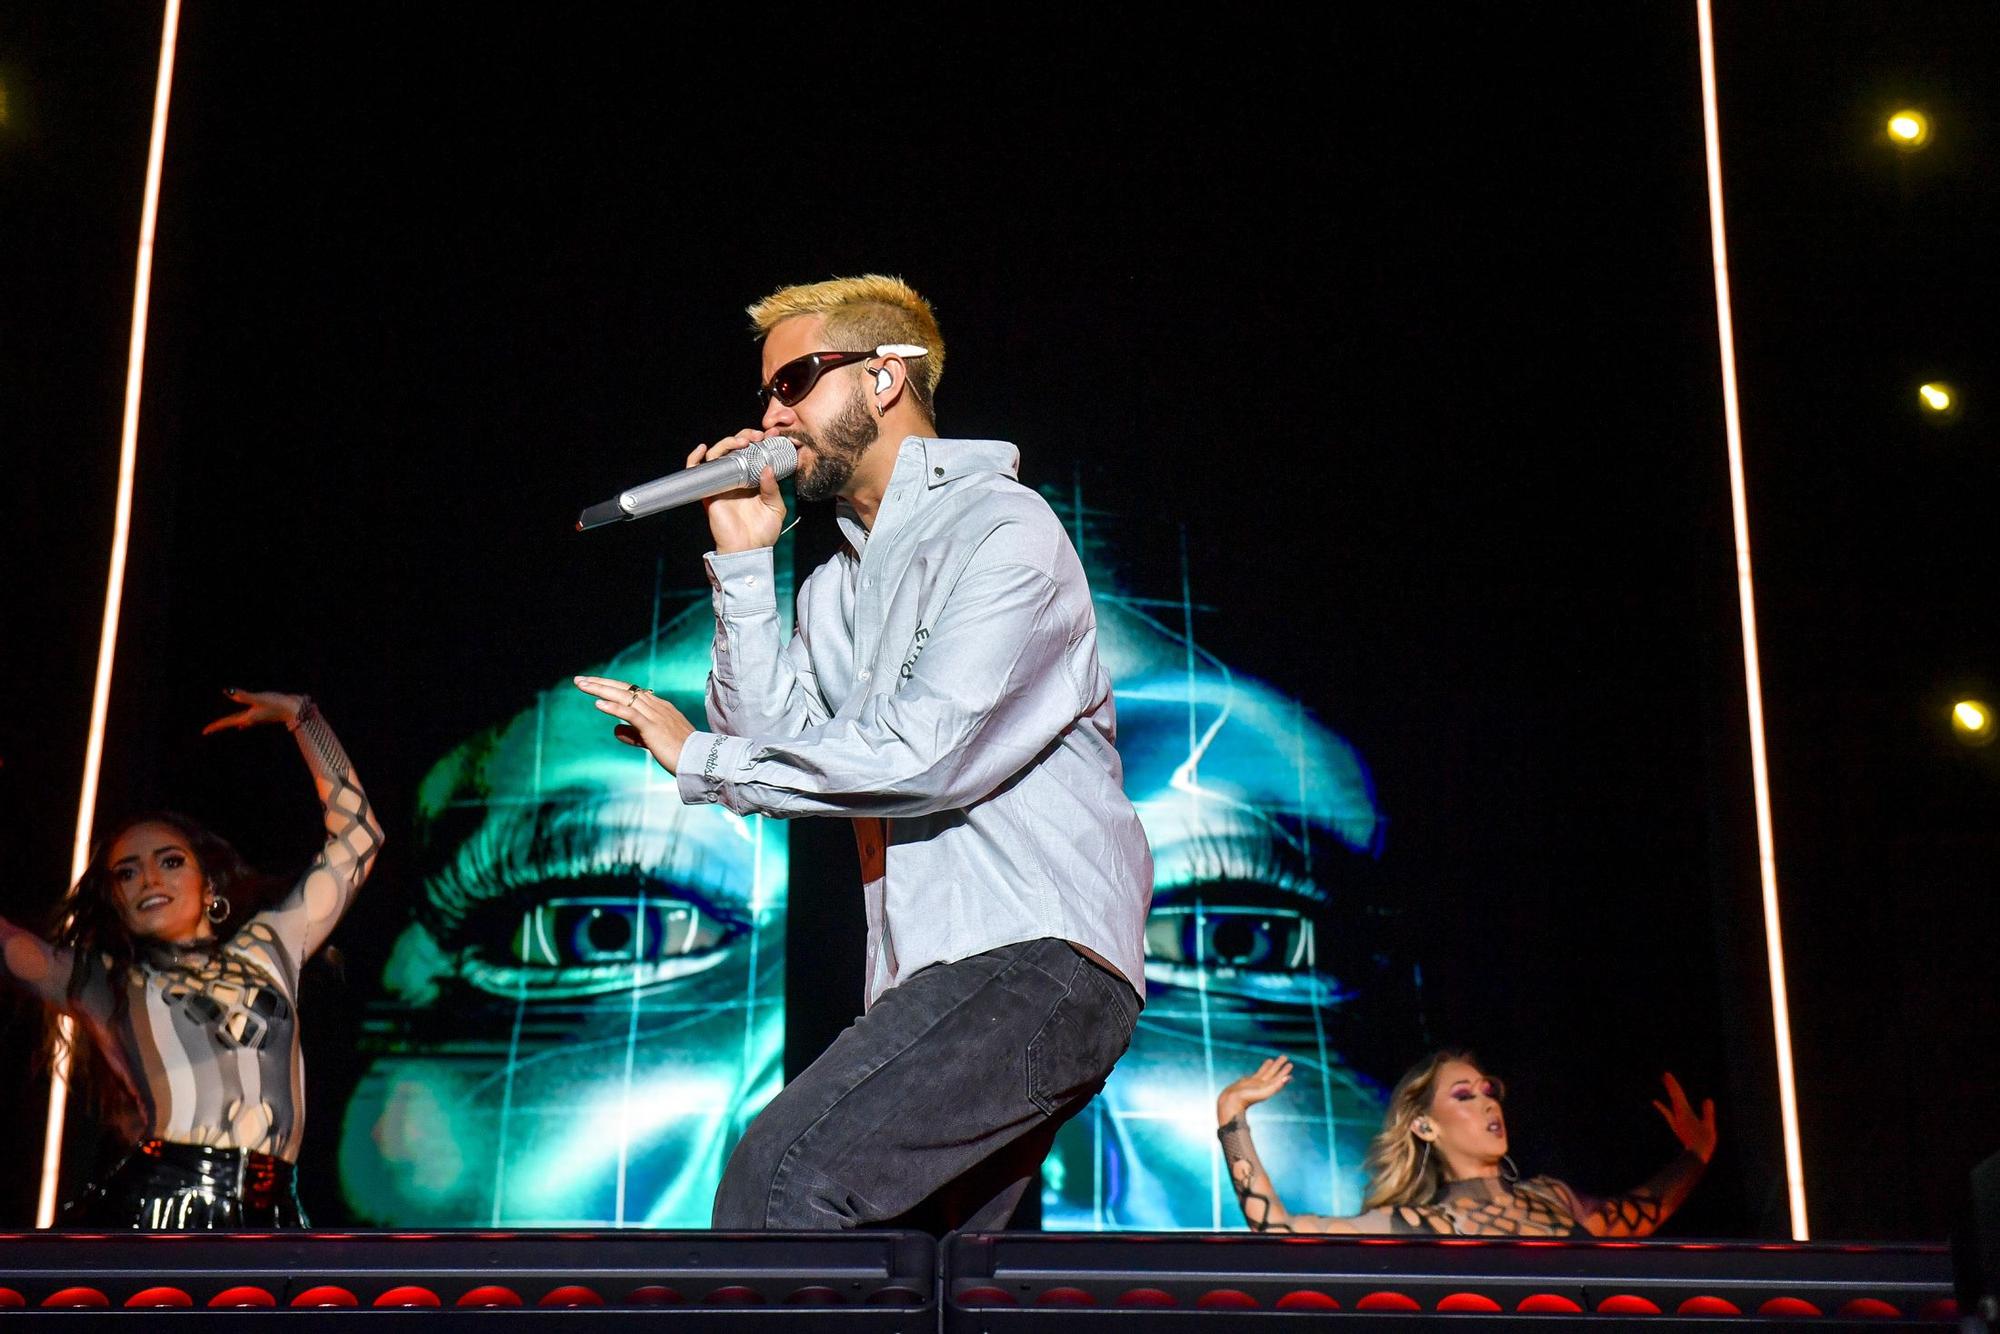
(1406, 322)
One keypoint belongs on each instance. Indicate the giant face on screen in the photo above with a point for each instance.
(1255, 813)
(587, 1008)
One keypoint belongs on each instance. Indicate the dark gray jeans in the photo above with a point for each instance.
(935, 1109)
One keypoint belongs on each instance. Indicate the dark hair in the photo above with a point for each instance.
(86, 921)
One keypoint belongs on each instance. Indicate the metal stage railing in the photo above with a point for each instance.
(993, 1283)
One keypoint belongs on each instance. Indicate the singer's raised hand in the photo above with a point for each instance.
(743, 519)
(644, 719)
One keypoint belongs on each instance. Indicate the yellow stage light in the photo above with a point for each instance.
(1972, 720)
(1937, 397)
(1909, 129)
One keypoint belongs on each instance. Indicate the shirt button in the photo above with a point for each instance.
(750, 581)
(865, 674)
(869, 582)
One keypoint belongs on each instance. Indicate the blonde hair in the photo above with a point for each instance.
(864, 312)
(1399, 1171)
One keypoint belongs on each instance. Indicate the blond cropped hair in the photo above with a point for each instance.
(864, 312)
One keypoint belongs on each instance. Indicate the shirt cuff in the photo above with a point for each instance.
(708, 763)
(744, 581)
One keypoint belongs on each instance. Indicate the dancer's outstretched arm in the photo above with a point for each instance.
(306, 915)
(1262, 1209)
(38, 968)
(1641, 1211)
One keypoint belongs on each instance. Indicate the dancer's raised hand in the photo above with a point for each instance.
(258, 706)
(1696, 1133)
(1253, 1088)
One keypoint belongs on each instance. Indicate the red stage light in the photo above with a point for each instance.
(735, 1294)
(1065, 1297)
(326, 1295)
(1227, 1299)
(1870, 1306)
(1468, 1301)
(1788, 1306)
(408, 1295)
(1147, 1297)
(75, 1297)
(813, 1295)
(159, 1298)
(654, 1295)
(1708, 1306)
(1548, 1303)
(9, 1297)
(1307, 1300)
(1388, 1301)
(985, 1297)
(490, 1294)
(570, 1294)
(246, 1295)
(1624, 1303)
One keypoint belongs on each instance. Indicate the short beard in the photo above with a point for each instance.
(837, 451)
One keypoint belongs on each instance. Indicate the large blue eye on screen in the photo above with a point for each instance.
(587, 1008)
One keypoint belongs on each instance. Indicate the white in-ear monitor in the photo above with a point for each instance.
(904, 350)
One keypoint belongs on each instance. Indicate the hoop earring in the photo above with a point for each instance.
(1508, 1172)
(218, 909)
(1424, 1162)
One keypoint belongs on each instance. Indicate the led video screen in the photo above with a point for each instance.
(587, 1005)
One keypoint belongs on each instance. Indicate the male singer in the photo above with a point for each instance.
(941, 690)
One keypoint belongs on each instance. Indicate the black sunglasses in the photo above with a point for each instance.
(791, 382)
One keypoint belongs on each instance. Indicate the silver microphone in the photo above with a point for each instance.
(734, 471)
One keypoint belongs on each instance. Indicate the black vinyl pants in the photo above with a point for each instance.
(167, 1187)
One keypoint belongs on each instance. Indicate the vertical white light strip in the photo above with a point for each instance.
(1767, 858)
(114, 591)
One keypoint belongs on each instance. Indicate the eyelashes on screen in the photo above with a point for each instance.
(554, 844)
(1234, 913)
(1241, 865)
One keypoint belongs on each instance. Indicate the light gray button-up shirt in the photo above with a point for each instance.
(941, 688)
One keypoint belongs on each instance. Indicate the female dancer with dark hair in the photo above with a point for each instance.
(1440, 1163)
(183, 994)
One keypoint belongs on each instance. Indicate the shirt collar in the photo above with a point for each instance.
(939, 463)
(945, 461)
